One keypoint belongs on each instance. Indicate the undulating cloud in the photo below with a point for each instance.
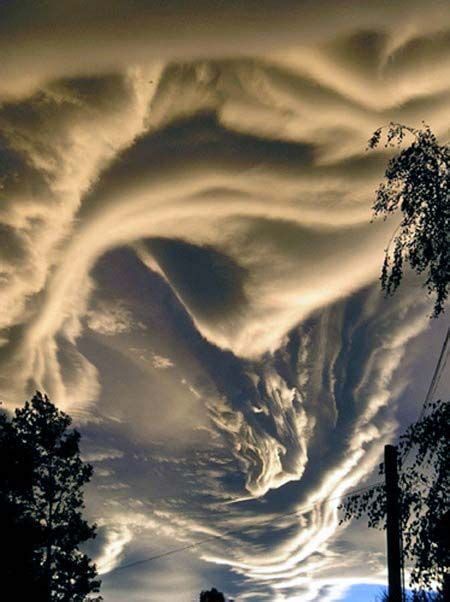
(187, 266)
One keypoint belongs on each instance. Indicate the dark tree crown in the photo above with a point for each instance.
(416, 182)
(212, 596)
(41, 506)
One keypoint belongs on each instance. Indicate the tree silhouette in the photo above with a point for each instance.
(41, 504)
(424, 497)
(416, 182)
(212, 596)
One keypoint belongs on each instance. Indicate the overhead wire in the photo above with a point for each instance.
(200, 542)
(443, 356)
(438, 370)
(431, 390)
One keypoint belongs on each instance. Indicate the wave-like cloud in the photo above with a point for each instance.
(230, 159)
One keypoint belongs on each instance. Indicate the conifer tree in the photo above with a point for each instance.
(41, 507)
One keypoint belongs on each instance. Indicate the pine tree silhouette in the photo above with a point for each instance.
(41, 504)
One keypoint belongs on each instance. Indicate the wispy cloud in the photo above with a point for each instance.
(110, 318)
(255, 369)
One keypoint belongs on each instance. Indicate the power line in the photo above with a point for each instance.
(240, 530)
(431, 390)
(438, 370)
(437, 374)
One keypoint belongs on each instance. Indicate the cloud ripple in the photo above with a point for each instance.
(230, 160)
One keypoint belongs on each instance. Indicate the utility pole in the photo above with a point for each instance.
(393, 524)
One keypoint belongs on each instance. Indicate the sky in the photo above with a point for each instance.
(189, 268)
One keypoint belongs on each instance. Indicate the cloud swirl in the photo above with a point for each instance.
(192, 206)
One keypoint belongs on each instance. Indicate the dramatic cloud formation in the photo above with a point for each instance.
(111, 318)
(187, 265)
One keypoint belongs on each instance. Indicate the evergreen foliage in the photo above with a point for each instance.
(41, 504)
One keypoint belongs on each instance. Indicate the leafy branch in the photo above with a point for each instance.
(416, 182)
(425, 494)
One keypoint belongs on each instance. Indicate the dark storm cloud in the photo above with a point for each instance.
(207, 281)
